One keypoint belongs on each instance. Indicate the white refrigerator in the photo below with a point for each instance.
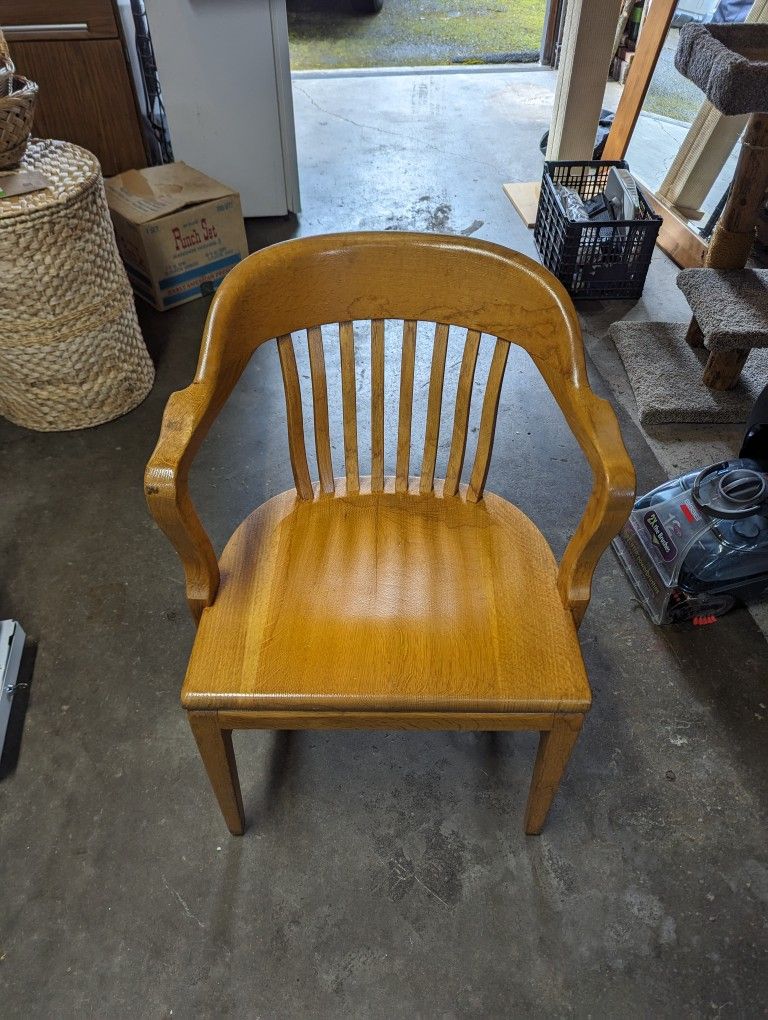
(225, 75)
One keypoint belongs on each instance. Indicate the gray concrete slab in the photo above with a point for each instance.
(382, 875)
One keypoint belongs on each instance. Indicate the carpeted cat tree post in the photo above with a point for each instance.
(729, 63)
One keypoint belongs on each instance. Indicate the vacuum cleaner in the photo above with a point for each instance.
(698, 544)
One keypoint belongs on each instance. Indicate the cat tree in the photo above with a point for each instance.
(729, 63)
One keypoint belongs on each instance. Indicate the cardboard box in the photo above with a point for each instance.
(178, 231)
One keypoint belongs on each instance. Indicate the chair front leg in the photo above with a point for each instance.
(555, 748)
(218, 754)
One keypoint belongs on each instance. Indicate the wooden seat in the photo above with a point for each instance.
(388, 602)
(425, 585)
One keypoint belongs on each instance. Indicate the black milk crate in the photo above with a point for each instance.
(592, 258)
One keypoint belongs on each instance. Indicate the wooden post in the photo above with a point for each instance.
(734, 234)
(694, 337)
(724, 368)
(649, 47)
(585, 58)
(701, 157)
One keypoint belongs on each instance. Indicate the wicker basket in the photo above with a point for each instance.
(17, 109)
(71, 352)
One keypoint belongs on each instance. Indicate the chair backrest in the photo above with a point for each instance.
(343, 279)
(415, 278)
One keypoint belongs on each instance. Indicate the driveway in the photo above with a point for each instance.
(327, 34)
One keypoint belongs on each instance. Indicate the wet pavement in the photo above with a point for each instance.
(328, 33)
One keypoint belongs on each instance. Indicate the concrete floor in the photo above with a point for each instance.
(382, 875)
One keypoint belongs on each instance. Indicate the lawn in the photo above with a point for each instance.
(327, 34)
(670, 93)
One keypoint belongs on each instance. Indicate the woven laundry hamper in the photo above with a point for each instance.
(71, 351)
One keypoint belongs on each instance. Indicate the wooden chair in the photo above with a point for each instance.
(388, 603)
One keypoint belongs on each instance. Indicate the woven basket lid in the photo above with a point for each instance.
(70, 169)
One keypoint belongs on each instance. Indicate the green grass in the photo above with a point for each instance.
(326, 34)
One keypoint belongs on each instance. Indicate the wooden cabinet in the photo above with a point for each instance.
(75, 51)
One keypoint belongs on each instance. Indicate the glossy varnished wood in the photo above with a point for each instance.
(488, 421)
(461, 414)
(384, 602)
(403, 602)
(434, 407)
(295, 720)
(555, 746)
(377, 405)
(349, 405)
(320, 407)
(296, 446)
(214, 741)
(405, 407)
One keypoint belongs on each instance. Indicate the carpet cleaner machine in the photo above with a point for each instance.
(698, 544)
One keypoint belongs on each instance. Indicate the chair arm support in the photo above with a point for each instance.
(166, 488)
(608, 507)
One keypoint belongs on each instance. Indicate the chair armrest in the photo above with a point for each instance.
(185, 423)
(608, 506)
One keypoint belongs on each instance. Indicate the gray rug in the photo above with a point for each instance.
(665, 374)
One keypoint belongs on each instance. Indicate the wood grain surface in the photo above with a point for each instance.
(483, 287)
(28, 20)
(398, 601)
(387, 601)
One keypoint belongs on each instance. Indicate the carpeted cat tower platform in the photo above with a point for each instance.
(665, 374)
(700, 373)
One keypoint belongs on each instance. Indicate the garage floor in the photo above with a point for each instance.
(382, 875)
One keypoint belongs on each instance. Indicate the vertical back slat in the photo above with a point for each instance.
(488, 422)
(349, 405)
(405, 412)
(434, 407)
(461, 413)
(296, 447)
(320, 408)
(377, 405)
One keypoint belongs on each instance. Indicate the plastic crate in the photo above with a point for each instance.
(593, 259)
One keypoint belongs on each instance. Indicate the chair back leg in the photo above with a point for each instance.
(555, 748)
(218, 754)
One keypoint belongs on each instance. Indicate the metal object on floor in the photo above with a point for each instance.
(12, 639)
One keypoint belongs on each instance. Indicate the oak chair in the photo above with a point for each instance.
(403, 602)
